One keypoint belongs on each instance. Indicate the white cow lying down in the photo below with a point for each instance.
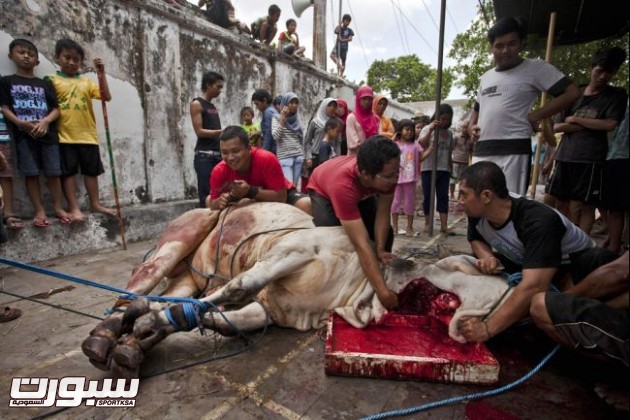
(269, 258)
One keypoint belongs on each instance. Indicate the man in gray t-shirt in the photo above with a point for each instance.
(503, 120)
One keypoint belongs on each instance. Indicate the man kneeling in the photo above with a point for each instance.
(249, 172)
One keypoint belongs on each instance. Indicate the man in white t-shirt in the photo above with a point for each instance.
(503, 120)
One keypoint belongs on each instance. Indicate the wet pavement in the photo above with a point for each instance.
(280, 372)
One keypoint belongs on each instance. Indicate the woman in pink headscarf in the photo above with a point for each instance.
(342, 113)
(362, 123)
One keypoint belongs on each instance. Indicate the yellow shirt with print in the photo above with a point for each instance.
(76, 124)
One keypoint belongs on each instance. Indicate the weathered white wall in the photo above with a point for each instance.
(155, 56)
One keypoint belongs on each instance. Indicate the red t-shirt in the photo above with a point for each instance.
(264, 172)
(338, 180)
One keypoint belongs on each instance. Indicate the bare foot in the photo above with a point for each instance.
(77, 216)
(99, 208)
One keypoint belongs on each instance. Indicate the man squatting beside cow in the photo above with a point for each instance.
(355, 192)
(249, 172)
(519, 235)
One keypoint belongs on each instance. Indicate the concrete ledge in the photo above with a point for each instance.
(33, 244)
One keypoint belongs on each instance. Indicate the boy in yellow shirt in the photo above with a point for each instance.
(78, 140)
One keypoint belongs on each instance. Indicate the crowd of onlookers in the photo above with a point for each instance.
(354, 167)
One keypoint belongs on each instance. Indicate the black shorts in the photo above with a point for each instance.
(615, 188)
(576, 181)
(342, 53)
(324, 215)
(589, 324)
(85, 158)
(293, 196)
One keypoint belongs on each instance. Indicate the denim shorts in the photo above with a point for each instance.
(35, 157)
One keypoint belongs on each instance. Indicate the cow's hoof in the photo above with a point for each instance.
(124, 372)
(102, 365)
(109, 328)
(96, 347)
(135, 310)
(128, 353)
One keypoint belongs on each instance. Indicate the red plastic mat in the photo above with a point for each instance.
(412, 347)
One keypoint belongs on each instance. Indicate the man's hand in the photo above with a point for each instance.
(220, 203)
(388, 298)
(99, 66)
(473, 329)
(488, 265)
(385, 257)
(40, 128)
(475, 132)
(239, 189)
(27, 126)
(534, 122)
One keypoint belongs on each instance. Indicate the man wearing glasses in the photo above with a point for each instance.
(356, 192)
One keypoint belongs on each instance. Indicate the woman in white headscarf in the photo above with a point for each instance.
(315, 132)
(288, 132)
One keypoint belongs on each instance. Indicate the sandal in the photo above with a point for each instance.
(10, 314)
(13, 222)
(41, 223)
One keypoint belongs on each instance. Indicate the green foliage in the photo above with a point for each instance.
(407, 79)
(471, 51)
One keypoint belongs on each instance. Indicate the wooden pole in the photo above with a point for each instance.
(121, 226)
(546, 134)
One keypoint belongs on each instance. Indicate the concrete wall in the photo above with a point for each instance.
(154, 56)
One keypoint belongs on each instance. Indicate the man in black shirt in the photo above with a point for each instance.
(207, 126)
(580, 157)
(522, 236)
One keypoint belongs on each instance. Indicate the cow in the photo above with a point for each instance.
(269, 259)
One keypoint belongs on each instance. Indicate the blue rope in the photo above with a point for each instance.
(515, 278)
(192, 307)
(469, 397)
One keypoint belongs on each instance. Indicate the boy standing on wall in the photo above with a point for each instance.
(344, 36)
(30, 105)
(77, 126)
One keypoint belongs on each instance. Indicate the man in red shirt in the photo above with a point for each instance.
(356, 192)
(249, 172)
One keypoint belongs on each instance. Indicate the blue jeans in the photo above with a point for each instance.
(292, 168)
(204, 164)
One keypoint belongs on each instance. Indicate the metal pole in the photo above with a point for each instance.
(338, 40)
(546, 131)
(436, 134)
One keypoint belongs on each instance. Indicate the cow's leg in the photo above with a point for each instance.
(155, 326)
(278, 263)
(97, 347)
(181, 238)
(229, 323)
(129, 351)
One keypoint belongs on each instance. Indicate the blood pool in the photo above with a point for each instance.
(412, 343)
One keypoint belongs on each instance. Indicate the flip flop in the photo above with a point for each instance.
(64, 220)
(41, 223)
(13, 222)
(10, 314)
